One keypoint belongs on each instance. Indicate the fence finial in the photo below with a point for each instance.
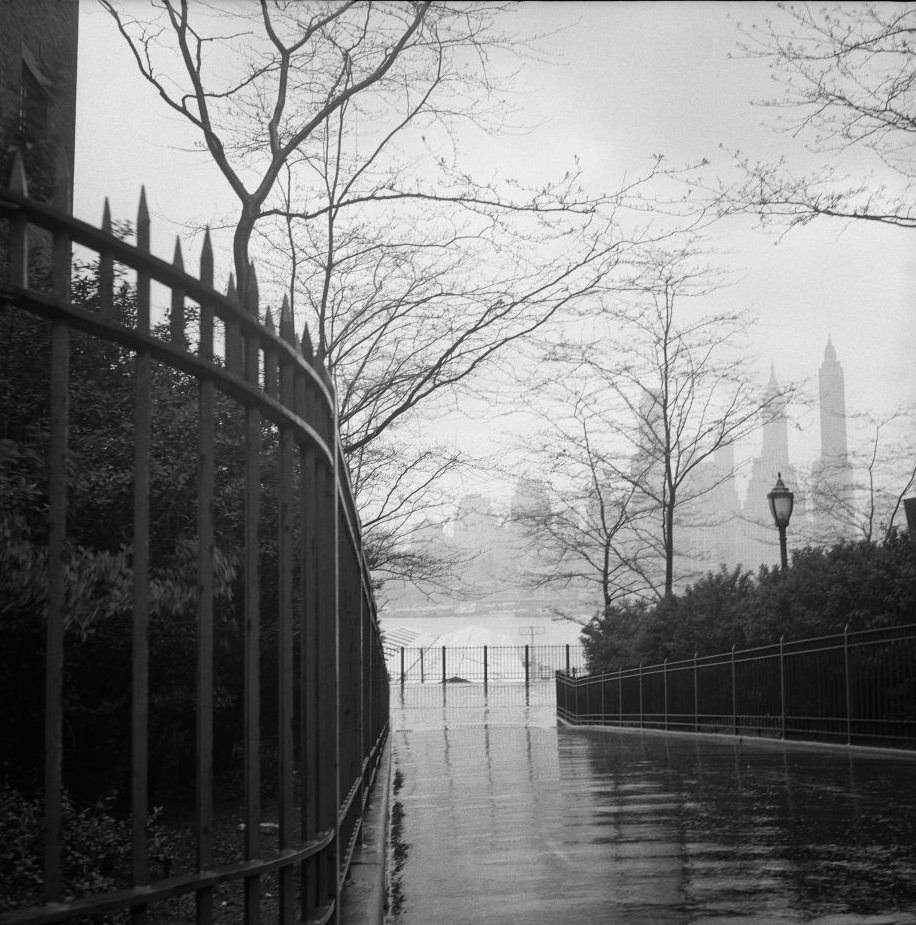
(18, 181)
(233, 341)
(252, 295)
(206, 260)
(63, 182)
(271, 374)
(287, 331)
(106, 269)
(306, 344)
(143, 237)
(177, 316)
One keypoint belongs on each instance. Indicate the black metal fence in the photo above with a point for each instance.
(442, 664)
(855, 688)
(293, 607)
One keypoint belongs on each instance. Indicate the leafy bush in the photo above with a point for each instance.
(861, 584)
(96, 848)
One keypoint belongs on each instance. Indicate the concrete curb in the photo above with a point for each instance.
(364, 897)
(872, 751)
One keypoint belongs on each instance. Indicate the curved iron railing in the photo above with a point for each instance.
(330, 685)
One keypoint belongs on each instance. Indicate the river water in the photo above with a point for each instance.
(501, 817)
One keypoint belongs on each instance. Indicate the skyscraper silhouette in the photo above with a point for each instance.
(832, 478)
(834, 448)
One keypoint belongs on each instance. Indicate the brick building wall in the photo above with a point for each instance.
(38, 51)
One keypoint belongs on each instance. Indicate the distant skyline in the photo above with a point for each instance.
(630, 80)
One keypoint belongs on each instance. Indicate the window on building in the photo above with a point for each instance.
(33, 104)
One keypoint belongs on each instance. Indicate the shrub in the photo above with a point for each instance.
(96, 848)
(861, 584)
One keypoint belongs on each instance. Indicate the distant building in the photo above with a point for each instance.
(530, 497)
(832, 477)
(714, 526)
(744, 534)
(758, 540)
(498, 570)
(38, 53)
(832, 394)
(709, 526)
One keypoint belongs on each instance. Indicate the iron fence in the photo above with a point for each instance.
(435, 664)
(296, 611)
(856, 688)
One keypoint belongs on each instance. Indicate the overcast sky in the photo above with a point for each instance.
(628, 80)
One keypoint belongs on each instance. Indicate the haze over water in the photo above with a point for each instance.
(505, 818)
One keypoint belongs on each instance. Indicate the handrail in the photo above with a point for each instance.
(903, 631)
(849, 688)
(80, 232)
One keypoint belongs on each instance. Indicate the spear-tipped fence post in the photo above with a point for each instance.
(306, 342)
(206, 259)
(619, 696)
(106, 270)
(233, 341)
(140, 643)
(62, 196)
(734, 696)
(19, 230)
(177, 333)
(782, 685)
(640, 697)
(271, 379)
(206, 310)
(665, 681)
(252, 293)
(251, 346)
(205, 617)
(848, 684)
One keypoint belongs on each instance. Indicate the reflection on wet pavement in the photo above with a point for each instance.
(508, 819)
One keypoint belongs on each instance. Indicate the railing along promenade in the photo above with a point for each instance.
(435, 664)
(307, 633)
(854, 688)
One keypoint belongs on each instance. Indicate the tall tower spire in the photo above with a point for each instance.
(834, 490)
(775, 450)
(834, 447)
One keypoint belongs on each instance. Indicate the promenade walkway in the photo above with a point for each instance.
(501, 817)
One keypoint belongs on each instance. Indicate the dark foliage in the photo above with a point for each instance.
(97, 849)
(862, 585)
(99, 558)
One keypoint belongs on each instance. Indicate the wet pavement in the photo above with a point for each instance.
(501, 817)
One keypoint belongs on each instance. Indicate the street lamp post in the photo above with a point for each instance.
(781, 502)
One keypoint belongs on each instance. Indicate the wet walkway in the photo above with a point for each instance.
(500, 817)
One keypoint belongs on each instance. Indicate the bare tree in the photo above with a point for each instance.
(848, 79)
(396, 481)
(584, 538)
(339, 129)
(861, 496)
(666, 389)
